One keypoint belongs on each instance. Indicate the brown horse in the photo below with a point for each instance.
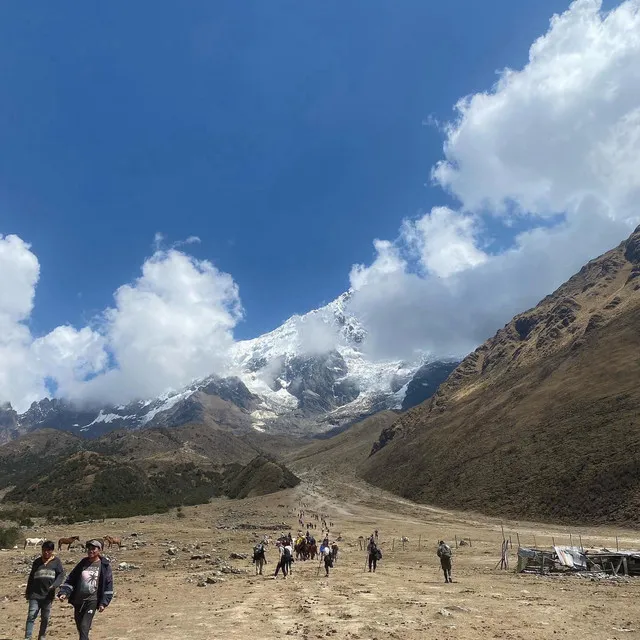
(67, 541)
(302, 550)
(111, 540)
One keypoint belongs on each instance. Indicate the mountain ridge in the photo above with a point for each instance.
(525, 425)
(310, 375)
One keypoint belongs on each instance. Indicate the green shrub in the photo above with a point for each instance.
(9, 537)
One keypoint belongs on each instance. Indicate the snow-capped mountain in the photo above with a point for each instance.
(308, 376)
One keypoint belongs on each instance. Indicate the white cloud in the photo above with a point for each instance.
(561, 135)
(445, 241)
(20, 272)
(563, 128)
(171, 325)
(70, 356)
(387, 263)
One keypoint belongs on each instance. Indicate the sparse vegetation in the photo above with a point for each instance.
(9, 537)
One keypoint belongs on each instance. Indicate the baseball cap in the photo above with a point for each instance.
(94, 543)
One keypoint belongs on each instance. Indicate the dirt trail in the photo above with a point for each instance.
(406, 598)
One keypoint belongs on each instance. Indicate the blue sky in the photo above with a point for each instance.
(286, 135)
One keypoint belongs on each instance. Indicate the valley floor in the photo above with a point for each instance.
(407, 597)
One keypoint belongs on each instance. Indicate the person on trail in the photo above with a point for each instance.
(89, 587)
(328, 559)
(259, 557)
(288, 555)
(47, 574)
(283, 563)
(444, 553)
(374, 554)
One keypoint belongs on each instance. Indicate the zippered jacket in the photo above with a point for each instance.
(105, 582)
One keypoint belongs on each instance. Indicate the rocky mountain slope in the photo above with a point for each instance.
(542, 420)
(308, 376)
(137, 472)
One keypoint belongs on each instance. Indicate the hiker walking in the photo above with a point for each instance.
(283, 563)
(47, 574)
(89, 587)
(259, 557)
(288, 554)
(328, 559)
(374, 554)
(444, 553)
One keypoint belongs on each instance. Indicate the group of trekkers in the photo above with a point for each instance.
(328, 554)
(305, 548)
(89, 588)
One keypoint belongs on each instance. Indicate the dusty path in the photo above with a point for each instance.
(406, 598)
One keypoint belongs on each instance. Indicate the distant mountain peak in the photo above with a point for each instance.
(309, 375)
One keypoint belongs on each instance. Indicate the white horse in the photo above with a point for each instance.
(33, 542)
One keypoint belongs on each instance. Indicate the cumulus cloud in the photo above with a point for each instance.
(20, 272)
(173, 324)
(557, 139)
(445, 241)
(562, 128)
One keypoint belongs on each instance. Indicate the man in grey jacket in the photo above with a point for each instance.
(47, 574)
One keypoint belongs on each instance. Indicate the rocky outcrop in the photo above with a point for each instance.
(317, 381)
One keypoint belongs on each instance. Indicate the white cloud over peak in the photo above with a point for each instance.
(445, 241)
(173, 324)
(559, 136)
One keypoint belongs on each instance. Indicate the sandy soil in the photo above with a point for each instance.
(406, 598)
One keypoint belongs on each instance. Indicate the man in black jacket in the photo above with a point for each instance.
(89, 587)
(47, 573)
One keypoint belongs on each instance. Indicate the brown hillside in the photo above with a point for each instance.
(541, 420)
(342, 454)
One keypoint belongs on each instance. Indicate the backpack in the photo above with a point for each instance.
(445, 552)
(378, 554)
(286, 554)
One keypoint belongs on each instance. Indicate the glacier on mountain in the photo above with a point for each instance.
(310, 375)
